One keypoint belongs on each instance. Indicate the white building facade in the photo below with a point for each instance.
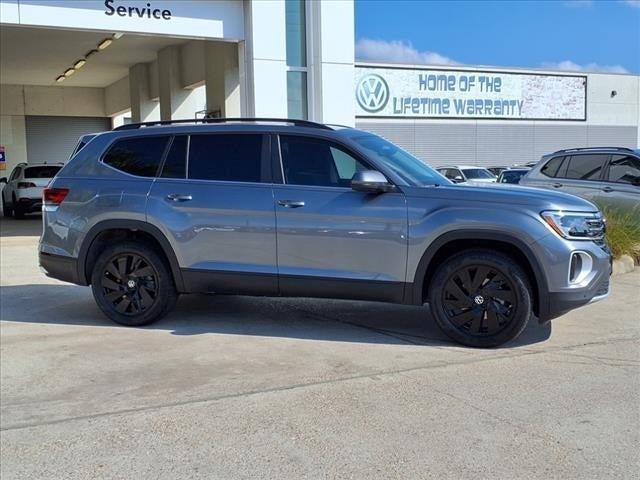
(72, 67)
(68, 68)
(494, 117)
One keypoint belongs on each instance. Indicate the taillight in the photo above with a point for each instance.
(54, 196)
(26, 184)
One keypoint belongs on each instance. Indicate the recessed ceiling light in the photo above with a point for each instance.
(117, 35)
(60, 78)
(104, 43)
(79, 63)
(89, 53)
(69, 72)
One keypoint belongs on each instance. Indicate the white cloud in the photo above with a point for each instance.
(633, 3)
(570, 66)
(398, 51)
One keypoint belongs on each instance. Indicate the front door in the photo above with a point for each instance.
(217, 211)
(332, 240)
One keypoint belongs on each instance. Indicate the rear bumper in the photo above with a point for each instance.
(29, 205)
(59, 267)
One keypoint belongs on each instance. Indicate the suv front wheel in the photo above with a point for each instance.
(480, 298)
(132, 284)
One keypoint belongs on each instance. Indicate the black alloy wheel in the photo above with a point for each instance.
(479, 300)
(130, 283)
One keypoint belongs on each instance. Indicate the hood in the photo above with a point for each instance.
(538, 198)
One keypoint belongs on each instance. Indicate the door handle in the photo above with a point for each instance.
(291, 203)
(607, 189)
(556, 185)
(177, 197)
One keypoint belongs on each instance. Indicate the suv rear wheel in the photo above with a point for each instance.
(132, 284)
(17, 210)
(481, 298)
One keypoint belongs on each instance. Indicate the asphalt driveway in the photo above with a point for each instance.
(246, 387)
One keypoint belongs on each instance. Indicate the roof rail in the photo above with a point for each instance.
(298, 123)
(593, 148)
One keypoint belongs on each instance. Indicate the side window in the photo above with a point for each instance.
(552, 167)
(227, 157)
(175, 163)
(316, 162)
(139, 156)
(624, 169)
(585, 167)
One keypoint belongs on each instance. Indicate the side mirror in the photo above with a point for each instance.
(458, 179)
(370, 181)
(3, 180)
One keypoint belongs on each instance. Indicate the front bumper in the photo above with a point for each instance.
(562, 297)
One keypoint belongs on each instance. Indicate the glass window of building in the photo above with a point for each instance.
(296, 33)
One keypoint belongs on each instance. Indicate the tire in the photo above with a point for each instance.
(17, 211)
(7, 211)
(480, 298)
(135, 291)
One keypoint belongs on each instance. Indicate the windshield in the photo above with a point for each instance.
(403, 164)
(478, 173)
(41, 172)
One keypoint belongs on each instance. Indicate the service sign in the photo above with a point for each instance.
(434, 93)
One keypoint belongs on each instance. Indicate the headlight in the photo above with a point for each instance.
(575, 225)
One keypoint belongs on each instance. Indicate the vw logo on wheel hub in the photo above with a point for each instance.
(479, 299)
(372, 93)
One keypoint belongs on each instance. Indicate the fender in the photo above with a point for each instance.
(128, 225)
(415, 293)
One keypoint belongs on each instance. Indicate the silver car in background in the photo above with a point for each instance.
(22, 193)
(608, 176)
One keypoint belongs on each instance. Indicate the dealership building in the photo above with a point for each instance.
(73, 67)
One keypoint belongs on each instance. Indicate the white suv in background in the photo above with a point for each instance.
(468, 173)
(23, 192)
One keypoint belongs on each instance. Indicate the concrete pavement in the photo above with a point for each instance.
(239, 387)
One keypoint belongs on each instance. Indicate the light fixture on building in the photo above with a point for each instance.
(117, 35)
(61, 78)
(90, 53)
(104, 43)
(79, 63)
(70, 71)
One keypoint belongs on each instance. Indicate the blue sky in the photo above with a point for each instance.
(587, 35)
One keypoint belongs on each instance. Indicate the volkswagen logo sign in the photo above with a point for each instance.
(372, 93)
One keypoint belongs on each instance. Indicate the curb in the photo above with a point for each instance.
(622, 265)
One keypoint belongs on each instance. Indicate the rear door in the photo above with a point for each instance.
(213, 200)
(622, 186)
(581, 175)
(332, 240)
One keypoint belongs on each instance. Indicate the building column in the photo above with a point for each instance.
(265, 59)
(175, 101)
(143, 108)
(222, 79)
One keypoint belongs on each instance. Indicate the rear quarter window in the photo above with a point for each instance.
(140, 156)
(552, 167)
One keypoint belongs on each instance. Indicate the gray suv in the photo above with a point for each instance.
(609, 176)
(148, 211)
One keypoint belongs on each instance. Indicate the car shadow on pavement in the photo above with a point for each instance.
(300, 318)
